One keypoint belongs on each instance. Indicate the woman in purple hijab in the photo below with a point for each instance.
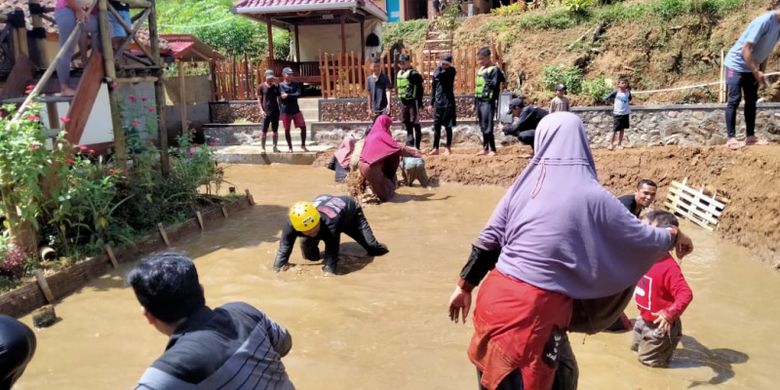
(556, 238)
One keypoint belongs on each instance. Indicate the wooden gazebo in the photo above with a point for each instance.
(317, 25)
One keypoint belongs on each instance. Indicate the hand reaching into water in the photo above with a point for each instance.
(664, 326)
(460, 304)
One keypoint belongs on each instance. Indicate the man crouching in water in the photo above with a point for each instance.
(338, 214)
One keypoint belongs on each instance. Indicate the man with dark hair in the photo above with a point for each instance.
(525, 118)
(268, 101)
(409, 86)
(745, 66)
(17, 347)
(234, 346)
(291, 112)
(642, 198)
(443, 102)
(378, 86)
(486, 91)
(635, 203)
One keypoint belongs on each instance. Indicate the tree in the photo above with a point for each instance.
(212, 22)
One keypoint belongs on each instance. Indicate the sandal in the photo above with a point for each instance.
(753, 140)
(734, 144)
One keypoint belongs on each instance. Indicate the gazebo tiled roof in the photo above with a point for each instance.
(266, 7)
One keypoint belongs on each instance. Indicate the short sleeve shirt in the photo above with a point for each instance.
(377, 87)
(764, 33)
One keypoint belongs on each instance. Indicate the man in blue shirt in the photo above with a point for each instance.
(745, 65)
(234, 346)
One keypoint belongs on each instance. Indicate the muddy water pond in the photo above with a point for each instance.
(383, 325)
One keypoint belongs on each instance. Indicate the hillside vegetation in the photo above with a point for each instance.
(657, 43)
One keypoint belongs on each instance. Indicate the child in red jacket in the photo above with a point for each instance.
(661, 296)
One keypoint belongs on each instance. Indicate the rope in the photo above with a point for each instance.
(689, 86)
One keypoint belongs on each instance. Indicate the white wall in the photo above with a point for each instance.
(327, 38)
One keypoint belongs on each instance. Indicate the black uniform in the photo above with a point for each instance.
(486, 108)
(338, 214)
(443, 102)
(17, 347)
(524, 126)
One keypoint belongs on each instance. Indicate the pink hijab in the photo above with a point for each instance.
(345, 151)
(379, 143)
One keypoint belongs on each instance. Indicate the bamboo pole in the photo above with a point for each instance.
(120, 148)
(353, 70)
(159, 91)
(722, 87)
(183, 97)
(326, 61)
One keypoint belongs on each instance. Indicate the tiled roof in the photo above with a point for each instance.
(276, 6)
(8, 6)
(186, 47)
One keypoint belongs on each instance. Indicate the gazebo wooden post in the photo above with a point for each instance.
(183, 97)
(270, 40)
(362, 42)
(343, 38)
(297, 45)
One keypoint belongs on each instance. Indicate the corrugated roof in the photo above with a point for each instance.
(186, 47)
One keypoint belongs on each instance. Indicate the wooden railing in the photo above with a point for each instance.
(343, 76)
(237, 79)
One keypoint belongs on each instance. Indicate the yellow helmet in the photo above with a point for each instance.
(304, 216)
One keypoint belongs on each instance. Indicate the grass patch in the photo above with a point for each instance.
(405, 34)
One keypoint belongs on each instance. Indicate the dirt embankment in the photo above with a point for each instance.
(749, 178)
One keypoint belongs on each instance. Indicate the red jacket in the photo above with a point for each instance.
(663, 289)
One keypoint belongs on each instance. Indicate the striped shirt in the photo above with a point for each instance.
(232, 347)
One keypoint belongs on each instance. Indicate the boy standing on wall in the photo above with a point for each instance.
(409, 85)
(378, 86)
(621, 111)
(291, 112)
(268, 100)
(488, 87)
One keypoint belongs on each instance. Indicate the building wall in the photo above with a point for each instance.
(312, 41)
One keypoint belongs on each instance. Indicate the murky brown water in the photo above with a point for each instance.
(384, 325)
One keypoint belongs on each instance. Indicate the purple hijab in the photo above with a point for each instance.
(560, 230)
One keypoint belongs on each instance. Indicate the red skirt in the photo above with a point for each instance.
(517, 326)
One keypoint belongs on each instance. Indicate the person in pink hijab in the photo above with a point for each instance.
(340, 160)
(380, 158)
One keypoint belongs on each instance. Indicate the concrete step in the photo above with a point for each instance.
(253, 154)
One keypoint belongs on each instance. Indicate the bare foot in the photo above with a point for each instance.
(620, 147)
(289, 150)
(276, 150)
(447, 151)
(734, 144)
(433, 152)
(753, 140)
(491, 154)
(67, 91)
(610, 147)
(304, 149)
(481, 153)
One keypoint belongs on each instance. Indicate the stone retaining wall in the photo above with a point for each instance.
(685, 124)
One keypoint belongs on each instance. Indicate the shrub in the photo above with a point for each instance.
(578, 6)
(509, 10)
(596, 88)
(405, 34)
(559, 18)
(13, 263)
(571, 77)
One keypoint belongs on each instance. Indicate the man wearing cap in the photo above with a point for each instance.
(525, 118)
(268, 100)
(443, 102)
(290, 92)
(409, 86)
(324, 219)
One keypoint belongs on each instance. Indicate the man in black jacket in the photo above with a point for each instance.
(524, 121)
(324, 219)
(443, 102)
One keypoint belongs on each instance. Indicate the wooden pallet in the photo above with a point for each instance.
(696, 206)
